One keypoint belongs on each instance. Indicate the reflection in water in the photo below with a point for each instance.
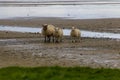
(65, 31)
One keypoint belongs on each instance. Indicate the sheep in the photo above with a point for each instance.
(75, 34)
(48, 31)
(58, 34)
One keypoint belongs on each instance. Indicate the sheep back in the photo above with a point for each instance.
(48, 30)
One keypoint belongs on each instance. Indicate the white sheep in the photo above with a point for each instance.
(58, 34)
(75, 34)
(48, 32)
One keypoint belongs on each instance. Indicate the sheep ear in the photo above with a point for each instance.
(56, 28)
(73, 27)
(44, 25)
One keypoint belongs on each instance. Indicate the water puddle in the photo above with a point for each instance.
(19, 29)
(64, 11)
(86, 49)
(66, 32)
(5, 40)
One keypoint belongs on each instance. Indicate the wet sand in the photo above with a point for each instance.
(28, 49)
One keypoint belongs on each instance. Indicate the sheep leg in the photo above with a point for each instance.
(75, 39)
(45, 39)
(53, 39)
(60, 39)
(56, 40)
(72, 39)
(49, 39)
(79, 39)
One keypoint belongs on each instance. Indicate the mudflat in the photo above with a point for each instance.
(29, 49)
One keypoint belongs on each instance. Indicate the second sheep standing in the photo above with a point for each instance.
(58, 34)
(75, 34)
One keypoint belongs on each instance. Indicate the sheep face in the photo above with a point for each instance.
(73, 28)
(56, 30)
(44, 27)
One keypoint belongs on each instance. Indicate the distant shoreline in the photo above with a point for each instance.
(5, 3)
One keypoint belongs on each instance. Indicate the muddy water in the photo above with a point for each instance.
(66, 32)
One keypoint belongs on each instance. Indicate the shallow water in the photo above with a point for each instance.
(66, 32)
(19, 29)
(92, 34)
(64, 11)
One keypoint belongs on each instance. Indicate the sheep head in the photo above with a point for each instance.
(73, 28)
(44, 27)
(56, 29)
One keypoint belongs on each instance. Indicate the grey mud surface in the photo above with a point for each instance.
(34, 52)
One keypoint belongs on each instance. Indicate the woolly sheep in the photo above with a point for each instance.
(48, 32)
(58, 34)
(75, 34)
